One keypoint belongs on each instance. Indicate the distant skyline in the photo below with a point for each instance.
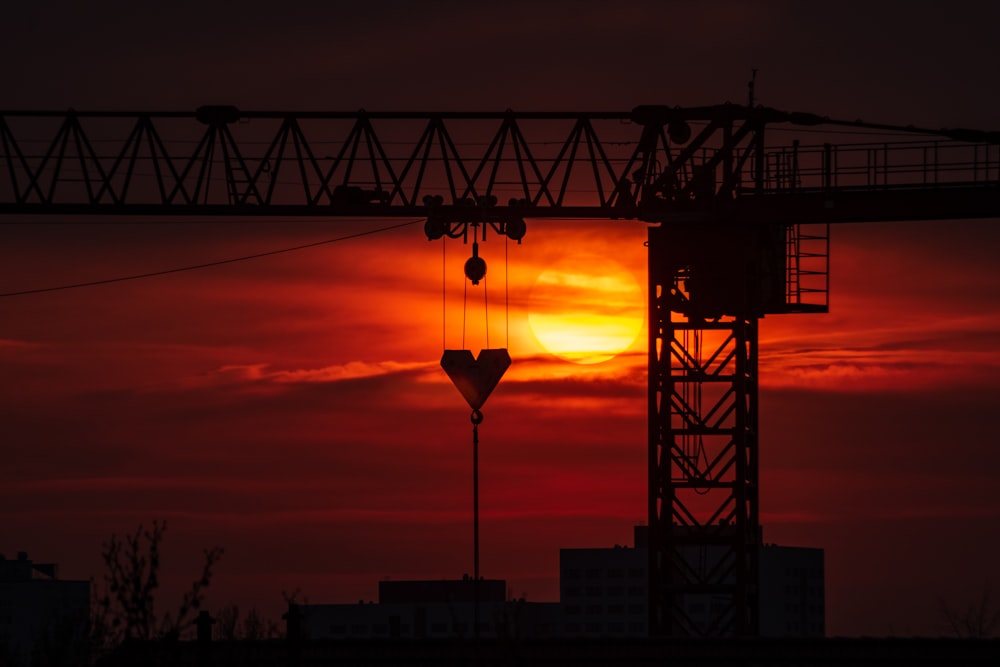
(292, 410)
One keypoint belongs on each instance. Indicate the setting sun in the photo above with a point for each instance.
(586, 309)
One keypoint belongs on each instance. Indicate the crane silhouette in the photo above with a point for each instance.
(739, 202)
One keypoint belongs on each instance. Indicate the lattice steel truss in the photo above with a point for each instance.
(705, 297)
(729, 247)
(654, 163)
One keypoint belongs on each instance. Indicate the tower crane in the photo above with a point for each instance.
(739, 201)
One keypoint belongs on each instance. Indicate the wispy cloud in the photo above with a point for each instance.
(349, 371)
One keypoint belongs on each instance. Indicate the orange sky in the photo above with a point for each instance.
(291, 409)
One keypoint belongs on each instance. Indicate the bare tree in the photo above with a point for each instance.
(256, 626)
(126, 608)
(227, 622)
(229, 626)
(980, 619)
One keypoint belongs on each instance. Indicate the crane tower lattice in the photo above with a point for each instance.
(740, 198)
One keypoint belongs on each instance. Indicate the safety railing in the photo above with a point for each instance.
(885, 165)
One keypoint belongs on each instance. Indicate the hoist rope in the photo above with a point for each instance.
(465, 300)
(506, 287)
(444, 297)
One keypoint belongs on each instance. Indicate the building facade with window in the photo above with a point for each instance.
(40, 613)
(603, 592)
(792, 592)
(433, 609)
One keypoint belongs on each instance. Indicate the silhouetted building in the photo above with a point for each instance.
(434, 609)
(791, 588)
(603, 592)
(39, 613)
(792, 592)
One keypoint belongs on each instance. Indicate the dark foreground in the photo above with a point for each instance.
(546, 653)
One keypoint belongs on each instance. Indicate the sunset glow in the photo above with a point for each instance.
(586, 309)
(286, 400)
(300, 399)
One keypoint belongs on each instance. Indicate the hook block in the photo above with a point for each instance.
(475, 378)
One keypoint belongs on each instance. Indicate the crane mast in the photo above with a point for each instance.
(738, 229)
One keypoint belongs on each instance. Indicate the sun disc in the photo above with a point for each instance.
(586, 309)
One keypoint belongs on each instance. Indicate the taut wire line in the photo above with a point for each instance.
(206, 265)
